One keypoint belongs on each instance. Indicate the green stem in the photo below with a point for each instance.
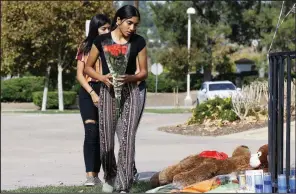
(118, 108)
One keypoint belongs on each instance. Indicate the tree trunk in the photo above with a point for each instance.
(60, 87)
(177, 95)
(208, 68)
(136, 3)
(207, 73)
(44, 99)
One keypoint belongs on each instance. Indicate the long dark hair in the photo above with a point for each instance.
(125, 12)
(96, 22)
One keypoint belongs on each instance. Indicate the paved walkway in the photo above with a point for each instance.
(159, 100)
(43, 149)
(8, 107)
(259, 134)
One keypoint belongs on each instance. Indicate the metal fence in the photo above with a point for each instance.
(280, 70)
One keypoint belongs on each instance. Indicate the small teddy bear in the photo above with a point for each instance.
(259, 160)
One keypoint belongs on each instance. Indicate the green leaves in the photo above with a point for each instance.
(175, 61)
(214, 109)
(220, 28)
(263, 25)
(209, 29)
(171, 19)
(33, 32)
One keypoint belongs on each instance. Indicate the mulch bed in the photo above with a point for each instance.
(203, 130)
(212, 129)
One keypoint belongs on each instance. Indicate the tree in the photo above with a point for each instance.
(285, 37)
(241, 30)
(208, 25)
(175, 61)
(218, 24)
(45, 41)
(262, 25)
(170, 19)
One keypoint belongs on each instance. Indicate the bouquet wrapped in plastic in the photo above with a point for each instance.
(117, 59)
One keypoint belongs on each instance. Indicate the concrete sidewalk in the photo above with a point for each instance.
(46, 149)
(25, 106)
(259, 134)
(159, 100)
(8, 107)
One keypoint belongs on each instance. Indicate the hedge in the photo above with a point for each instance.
(53, 101)
(21, 89)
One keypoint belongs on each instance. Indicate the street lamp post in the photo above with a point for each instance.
(188, 100)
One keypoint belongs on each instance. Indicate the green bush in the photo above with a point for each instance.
(228, 115)
(164, 83)
(21, 89)
(167, 84)
(250, 79)
(213, 109)
(53, 101)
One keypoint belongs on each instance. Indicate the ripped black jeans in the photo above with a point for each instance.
(89, 114)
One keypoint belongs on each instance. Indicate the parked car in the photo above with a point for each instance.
(213, 89)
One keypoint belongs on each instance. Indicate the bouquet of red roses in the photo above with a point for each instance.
(117, 59)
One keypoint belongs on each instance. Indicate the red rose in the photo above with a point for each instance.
(115, 52)
(106, 48)
(123, 50)
(115, 49)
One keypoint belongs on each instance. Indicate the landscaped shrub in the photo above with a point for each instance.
(214, 109)
(164, 83)
(53, 101)
(20, 89)
(252, 101)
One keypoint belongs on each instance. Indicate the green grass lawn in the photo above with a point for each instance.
(50, 111)
(169, 111)
(158, 111)
(137, 188)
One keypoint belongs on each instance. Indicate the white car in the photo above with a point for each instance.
(213, 89)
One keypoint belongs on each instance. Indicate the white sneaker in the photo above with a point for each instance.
(90, 181)
(107, 188)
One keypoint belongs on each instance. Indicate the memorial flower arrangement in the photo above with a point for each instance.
(117, 59)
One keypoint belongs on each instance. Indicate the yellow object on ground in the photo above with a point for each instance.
(200, 187)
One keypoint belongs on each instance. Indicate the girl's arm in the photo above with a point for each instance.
(92, 58)
(138, 68)
(80, 77)
(142, 65)
(99, 66)
(89, 70)
(141, 71)
(83, 82)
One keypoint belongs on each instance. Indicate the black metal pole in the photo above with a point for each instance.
(274, 116)
(288, 119)
(280, 129)
(276, 78)
(270, 118)
(270, 108)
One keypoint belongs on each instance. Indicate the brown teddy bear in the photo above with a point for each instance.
(194, 169)
(260, 160)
